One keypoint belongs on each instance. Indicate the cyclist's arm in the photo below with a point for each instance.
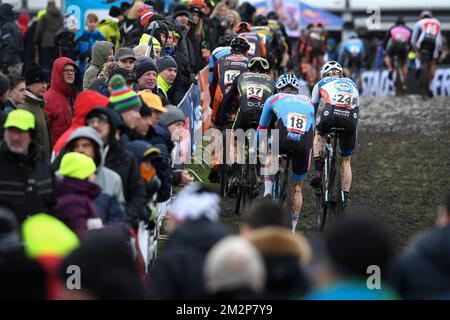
(212, 63)
(215, 80)
(439, 42)
(415, 34)
(227, 103)
(315, 98)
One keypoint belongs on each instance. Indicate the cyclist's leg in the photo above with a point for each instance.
(300, 167)
(347, 144)
(346, 174)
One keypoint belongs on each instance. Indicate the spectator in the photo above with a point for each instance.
(65, 39)
(84, 103)
(130, 79)
(263, 213)
(125, 57)
(167, 72)
(194, 227)
(218, 23)
(76, 193)
(427, 255)
(197, 38)
(4, 92)
(28, 180)
(87, 39)
(23, 22)
(348, 260)
(48, 240)
(11, 43)
(20, 276)
(102, 52)
(110, 203)
(110, 28)
(247, 12)
(36, 81)
(106, 122)
(130, 21)
(146, 73)
(285, 256)
(16, 92)
(30, 47)
(234, 270)
(233, 19)
(65, 85)
(44, 36)
(126, 102)
(103, 256)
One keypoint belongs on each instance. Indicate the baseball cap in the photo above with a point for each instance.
(21, 119)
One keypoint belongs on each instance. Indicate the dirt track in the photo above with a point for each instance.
(401, 168)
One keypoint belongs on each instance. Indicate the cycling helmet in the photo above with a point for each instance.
(243, 27)
(330, 67)
(287, 80)
(400, 21)
(240, 44)
(425, 14)
(225, 41)
(259, 64)
(272, 15)
(352, 35)
(260, 20)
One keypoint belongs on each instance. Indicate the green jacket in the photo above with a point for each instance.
(163, 85)
(41, 134)
(46, 29)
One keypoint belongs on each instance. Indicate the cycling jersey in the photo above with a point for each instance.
(314, 43)
(218, 53)
(227, 69)
(352, 53)
(341, 109)
(257, 44)
(252, 89)
(295, 122)
(271, 42)
(397, 42)
(427, 35)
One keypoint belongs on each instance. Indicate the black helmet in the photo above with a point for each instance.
(400, 21)
(260, 20)
(258, 64)
(240, 44)
(272, 15)
(225, 41)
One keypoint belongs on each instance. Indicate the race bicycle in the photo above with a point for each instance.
(282, 185)
(329, 204)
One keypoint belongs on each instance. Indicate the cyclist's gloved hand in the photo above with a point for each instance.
(316, 181)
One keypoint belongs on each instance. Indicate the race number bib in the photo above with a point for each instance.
(344, 99)
(431, 29)
(255, 92)
(229, 76)
(252, 49)
(400, 37)
(296, 122)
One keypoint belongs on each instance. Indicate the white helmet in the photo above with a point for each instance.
(330, 67)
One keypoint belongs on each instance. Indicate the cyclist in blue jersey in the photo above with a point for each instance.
(341, 109)
(223, 49)
(351, 55)
(294, 114)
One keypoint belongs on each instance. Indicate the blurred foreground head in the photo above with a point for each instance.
(356, 242)
(234, 269)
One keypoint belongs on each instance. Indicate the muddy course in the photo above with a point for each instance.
(401, 166)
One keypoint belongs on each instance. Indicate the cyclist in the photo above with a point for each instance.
(396, 44)
(295, 121)
(426, 35)
(227, 69)
(257, 46)
(351, 55)
(274, 49)
(223, 49)
(341, 109)
(248, 92)
(313, 47)
(279, 29)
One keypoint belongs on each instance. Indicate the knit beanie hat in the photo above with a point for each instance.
(173, 114)
(143, 65)
(77, 165)
(35, 74)
(166, 62)
(122, 98)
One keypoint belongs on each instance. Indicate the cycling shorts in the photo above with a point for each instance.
(300, 152)
(429, 44)
(247, 119)
(353, 60)
(399, 49)
(332, 116)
